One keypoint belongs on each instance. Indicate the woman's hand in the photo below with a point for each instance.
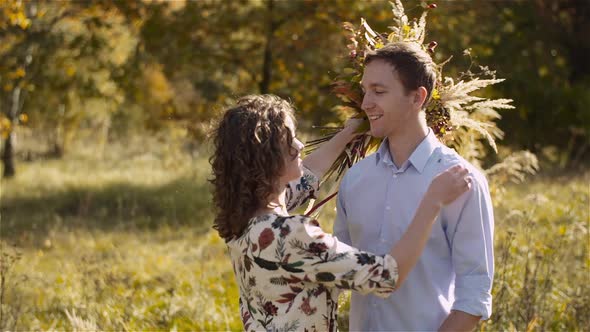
(351, 127)
(320, 160)
(449, 185)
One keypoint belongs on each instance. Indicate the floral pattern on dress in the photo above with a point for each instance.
(301, 190)
(289, 271)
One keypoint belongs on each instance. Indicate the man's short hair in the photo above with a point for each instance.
(413, 65)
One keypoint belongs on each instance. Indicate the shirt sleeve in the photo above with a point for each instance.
(301, 190)
(328, 261)
(473, 252)
(340, 229)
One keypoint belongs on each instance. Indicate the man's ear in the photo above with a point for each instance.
(420, 97)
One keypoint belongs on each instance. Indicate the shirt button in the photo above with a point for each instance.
(387, 208)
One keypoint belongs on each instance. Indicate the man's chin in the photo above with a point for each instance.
(377, 133)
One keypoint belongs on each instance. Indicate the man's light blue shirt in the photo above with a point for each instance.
(377, 202)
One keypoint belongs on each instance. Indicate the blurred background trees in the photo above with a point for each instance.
(100, 101)
(105, 70)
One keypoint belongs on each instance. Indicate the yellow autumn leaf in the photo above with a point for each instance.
(348, 71)
(406, 30)
(19, 18)
(435, 94)
(70, 71)
(41, 13)
(23, 118)
(18, 73)
(24, 23)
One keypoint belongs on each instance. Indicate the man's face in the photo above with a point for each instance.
(385, 102)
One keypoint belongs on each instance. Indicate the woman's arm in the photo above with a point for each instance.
(320, 160)
(321, 258)
(444, 189)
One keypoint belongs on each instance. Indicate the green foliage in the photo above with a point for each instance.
(61, 70)
(116, 243)
(542, 256)
(105, 191)
(539, 47)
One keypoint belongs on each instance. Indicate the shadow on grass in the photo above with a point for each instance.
(118, 206)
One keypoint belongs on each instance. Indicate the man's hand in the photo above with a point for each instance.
(459, 321)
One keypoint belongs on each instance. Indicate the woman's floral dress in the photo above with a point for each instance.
(289, 271)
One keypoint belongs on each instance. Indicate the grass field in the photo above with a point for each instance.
(123, 242)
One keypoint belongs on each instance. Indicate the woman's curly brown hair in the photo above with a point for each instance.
(247, 163)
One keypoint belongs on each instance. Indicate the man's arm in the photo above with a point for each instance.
(473, 258)
(340, 229)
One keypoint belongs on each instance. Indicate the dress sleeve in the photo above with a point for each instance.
(301, 190)
(327, 261)
(250, 324)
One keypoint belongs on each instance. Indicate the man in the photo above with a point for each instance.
(449, 288)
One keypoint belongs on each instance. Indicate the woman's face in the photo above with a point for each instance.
(292, 156)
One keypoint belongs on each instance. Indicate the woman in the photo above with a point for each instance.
(288, 269)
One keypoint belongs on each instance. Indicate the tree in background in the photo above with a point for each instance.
(61, 61)
(542, 50)
(14, 23)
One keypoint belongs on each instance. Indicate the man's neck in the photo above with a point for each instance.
(402, 144)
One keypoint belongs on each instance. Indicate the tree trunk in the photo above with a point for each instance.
(15, 109)
(8, 151)
(267, 64)
(579, 45)
(8, 157)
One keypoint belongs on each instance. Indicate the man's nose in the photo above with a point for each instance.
(367, 103)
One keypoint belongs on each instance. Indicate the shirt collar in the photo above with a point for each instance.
(383, 152)
(418, 158)
(424, 150)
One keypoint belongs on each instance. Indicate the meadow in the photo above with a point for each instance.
(121, 239)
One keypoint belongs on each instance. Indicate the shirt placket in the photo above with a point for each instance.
(384, 243)
(389, 217)
(384, 236)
